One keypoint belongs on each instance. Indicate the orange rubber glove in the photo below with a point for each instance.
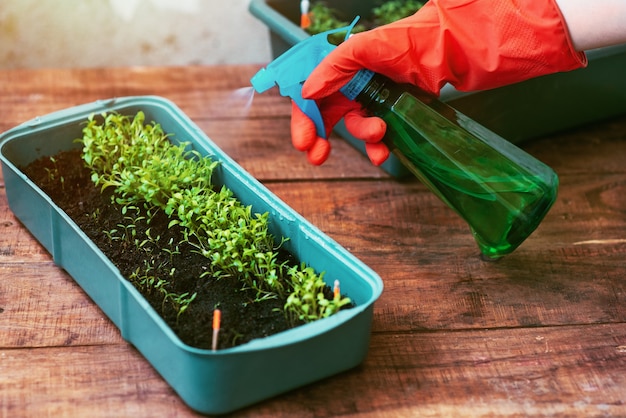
(471, 44)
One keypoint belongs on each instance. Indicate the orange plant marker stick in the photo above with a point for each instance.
(305, 18)
(217, 319)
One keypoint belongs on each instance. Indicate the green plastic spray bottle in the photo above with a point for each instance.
(501, 191)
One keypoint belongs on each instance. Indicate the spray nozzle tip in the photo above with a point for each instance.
(262, 81)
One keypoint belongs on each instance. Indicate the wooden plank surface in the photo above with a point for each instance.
(540, 332)
(518, 372)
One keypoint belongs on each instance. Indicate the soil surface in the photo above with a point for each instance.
(68, 183)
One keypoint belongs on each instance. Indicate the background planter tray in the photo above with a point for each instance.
(209, 382)
(517, 112)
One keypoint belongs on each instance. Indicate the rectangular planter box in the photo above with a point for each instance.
(517, 112)
(209, 382)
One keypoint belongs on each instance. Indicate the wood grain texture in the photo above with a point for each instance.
(541, 332)
(513, 372)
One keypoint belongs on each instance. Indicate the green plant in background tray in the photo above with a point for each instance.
(324, 18)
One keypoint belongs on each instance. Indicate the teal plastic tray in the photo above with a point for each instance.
(209, 382)
(517, 112)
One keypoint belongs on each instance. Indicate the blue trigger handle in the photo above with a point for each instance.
(290, 70)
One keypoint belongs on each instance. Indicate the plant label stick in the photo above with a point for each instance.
(217, 317)
(305, 19)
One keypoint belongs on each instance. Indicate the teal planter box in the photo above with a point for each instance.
(517, 112)
(211, 382)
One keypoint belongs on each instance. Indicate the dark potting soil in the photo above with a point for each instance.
(67, 181)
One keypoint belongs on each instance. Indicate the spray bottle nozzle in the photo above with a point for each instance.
(290, 70)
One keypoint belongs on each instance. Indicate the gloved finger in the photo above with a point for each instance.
(364, 127)
(304, 137)
(377, 152)
(319, 151)
(303, 132)
(335, 107)
(332, 108)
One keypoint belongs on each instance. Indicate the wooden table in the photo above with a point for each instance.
(541, 332)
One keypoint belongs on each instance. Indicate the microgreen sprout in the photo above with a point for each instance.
(54, 172)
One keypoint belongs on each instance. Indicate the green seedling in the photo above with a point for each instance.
(53, 173)
(308, 302)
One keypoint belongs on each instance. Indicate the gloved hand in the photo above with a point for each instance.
(471, 44)
(333, 108)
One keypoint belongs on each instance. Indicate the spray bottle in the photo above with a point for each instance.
(501, 191)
